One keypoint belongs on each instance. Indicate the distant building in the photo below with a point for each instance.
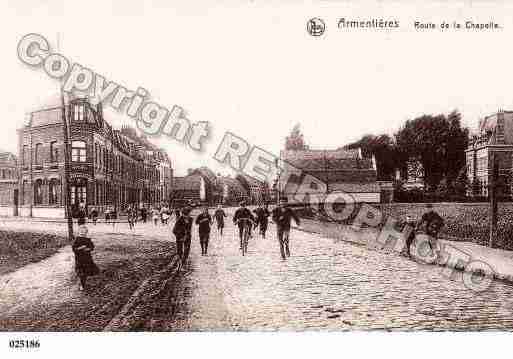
(493, 139)
(258, 192)
(341, 170)
(201, 185)
(8, 184)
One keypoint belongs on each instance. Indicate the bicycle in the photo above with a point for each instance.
(245, 234)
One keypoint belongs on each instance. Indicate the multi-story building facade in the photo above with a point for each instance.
(108, 167)
(493, 141)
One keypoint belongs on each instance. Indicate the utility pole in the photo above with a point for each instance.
(31, 169)
(278, 184)
(67, 196)
(492, 192)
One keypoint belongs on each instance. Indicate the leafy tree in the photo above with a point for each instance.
(439, 142)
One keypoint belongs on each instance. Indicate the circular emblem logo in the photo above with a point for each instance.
(315, 26)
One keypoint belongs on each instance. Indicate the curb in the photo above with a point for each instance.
(150, 288)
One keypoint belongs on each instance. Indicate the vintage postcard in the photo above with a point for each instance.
(171, 167)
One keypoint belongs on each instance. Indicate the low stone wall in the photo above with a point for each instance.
(470, 221)
(463, 221)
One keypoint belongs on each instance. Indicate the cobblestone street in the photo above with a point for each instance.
(326, 285)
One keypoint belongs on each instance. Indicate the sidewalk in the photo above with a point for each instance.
(500, 260)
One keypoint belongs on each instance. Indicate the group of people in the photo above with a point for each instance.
(243, 218)
(430, 224)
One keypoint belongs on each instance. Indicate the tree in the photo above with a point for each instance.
(295, 140)
(438, 142)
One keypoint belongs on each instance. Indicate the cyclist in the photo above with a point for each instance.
(282, 216)
(242, 217)
(219, 215)
(262, 218)
(431, 223)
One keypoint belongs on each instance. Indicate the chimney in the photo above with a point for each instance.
(499, 130)
(374, 167)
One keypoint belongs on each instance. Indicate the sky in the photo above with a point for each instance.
(251, 68)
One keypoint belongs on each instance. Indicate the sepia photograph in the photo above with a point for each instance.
(256, 177)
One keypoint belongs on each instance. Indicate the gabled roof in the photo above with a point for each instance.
(326, 160)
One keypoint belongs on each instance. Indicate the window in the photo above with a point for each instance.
(54, 152)
(52, 191)
(78, 112)
(38, 160)
(38, 192)
(78, 151)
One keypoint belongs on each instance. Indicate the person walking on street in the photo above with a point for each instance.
(144, 214)
(262, 218)
(155, 215)
(282, 216)
(82, 248)
(131, 215)
(94, 215)
(164, 214)
(182, 231)
(220, 215)
(204, 220)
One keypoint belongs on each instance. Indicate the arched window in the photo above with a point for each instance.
(78, 151)
(38, 192)
(53, 186)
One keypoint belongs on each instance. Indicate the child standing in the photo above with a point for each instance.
(84, 264)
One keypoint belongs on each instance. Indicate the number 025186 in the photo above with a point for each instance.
(24, 343)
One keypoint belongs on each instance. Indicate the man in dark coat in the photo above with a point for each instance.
(219, 215)
(204, 220)
(262, 218)
(182, 231)
(282, 216)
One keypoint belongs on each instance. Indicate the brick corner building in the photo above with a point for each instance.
(108, 167)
